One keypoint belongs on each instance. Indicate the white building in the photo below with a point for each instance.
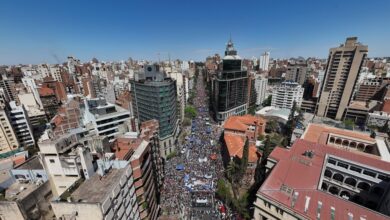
(106, 118)
(21, 125)
(261, 88)
(264, 61)
(377, 118)
(108, 195)
(31, 86)
(284, 95)
(65, 161)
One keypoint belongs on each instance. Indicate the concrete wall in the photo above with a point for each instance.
(10, 210)
(85, 211)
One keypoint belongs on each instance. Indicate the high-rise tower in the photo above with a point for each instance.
(230, 86)
(341, 73)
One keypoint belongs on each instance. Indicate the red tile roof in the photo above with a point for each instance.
(303, 177)
(45, 91)
(241, 123)
(235, 146)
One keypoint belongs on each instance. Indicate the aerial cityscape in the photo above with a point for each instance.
(173, 110)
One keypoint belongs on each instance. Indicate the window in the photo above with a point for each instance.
(52, 161)
(342, 165)
(356, 169)
(369, 173)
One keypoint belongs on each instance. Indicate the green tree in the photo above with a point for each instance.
(349, 124)
(245, 155)
(291, 123)
(267, 101)
(271, 126)
(384, 128)
(190, 112)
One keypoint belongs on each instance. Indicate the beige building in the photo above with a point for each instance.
(8, 140)
(342, 70)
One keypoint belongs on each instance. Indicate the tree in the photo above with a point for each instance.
(291, 123)
(349, 124)
(267, 101)
(271, 126)
(186, 122)
(190, 112)
(245, 155)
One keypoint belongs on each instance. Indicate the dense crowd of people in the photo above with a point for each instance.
(191, 177)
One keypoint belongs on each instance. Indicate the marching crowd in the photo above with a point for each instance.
(191, 177)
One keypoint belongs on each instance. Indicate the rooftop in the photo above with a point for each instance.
(242, 122)
(31, 164)
(45, 91)
(91, 190)
(302, 175)
(319, 132)
(235, 146)
(19, 191)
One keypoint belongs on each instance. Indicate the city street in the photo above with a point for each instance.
(191, 176)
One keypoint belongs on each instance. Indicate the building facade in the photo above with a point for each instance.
(342, 70)
(286, 94)
(154, 97)
(264, 61)
(261, 89)
(230, 86)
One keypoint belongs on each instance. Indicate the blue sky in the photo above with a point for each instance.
(38, 31)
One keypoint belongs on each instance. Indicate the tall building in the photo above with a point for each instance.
(341, 74)
(264, 61)
(284, 95)
(230, 86)
(22, 126)
(297, 73)
(261, 89)
(139, 153)
(8, 140)
(154, 97)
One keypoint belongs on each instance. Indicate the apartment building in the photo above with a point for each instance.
(106, 118)
(66, 161)
(261, 89)
(21, 124)
(109, 194)
(8, 139)
(341, 73)
(286, 94)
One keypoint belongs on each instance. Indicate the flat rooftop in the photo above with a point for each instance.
(31, 164)
(18, 191)
(97, 188)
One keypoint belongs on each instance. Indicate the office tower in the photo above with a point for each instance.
(230, 86)
(264, 61)
(284, 95)
(261, 88)
(8, 86)
(154, 97)
(342, 69)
